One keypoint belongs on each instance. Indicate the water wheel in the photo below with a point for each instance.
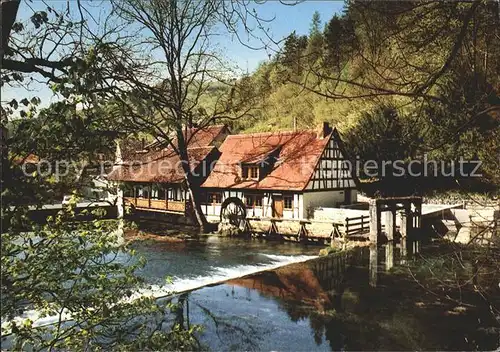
(233, 212)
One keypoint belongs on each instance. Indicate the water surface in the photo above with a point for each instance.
(319, 304)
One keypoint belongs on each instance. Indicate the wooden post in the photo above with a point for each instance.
(332, 237)
(165, 191)
(404, 229)
(135, 195)
(389, 255)
(299, 235)
(150, 190)
(120, 202)
(390, 223)
(374, 220)
(347, 226)
(405, 222)
(418, 213)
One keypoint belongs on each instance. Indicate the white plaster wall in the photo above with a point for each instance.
(325, 199)
(255, 212)
(287, 214)
(338, 214)
(213, 210)
(296, 206)
(301, 210)
(354, 196)
(267, 203)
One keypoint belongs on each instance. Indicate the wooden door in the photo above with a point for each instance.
(277, 206)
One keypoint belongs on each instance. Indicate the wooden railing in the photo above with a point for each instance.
(157, 204)
(357, 225)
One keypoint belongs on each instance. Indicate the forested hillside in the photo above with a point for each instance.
(398, 79)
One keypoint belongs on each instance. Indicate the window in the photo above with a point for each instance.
(174, 194)
(161, 193)
(214, 198)
(250, 172)
(128, 191)
(143, 192)
(154, 192)
(253, 200)
(258, 201)
(254, 172)
(157, 192)
(288, 202)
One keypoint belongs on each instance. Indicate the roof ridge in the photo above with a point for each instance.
(202, 147)
(263, 134)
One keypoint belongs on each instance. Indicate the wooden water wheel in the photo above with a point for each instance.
(233, 212)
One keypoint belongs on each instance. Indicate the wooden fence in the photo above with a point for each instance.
(357, 226)
(157, 204)
(308, 230)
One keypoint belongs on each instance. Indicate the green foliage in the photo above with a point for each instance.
(383, 134)
(315, 24)
(328, 250)
(79, 275)
(400, 55)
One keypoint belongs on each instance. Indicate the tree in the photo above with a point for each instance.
(65, 268)
(406, 53)
(383, 134)
(315, 43)
(167, 90)
(293, 52)
(315, 24)
(340, 41)
(69, 274)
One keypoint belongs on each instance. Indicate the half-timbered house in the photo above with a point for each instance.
(280, 174)
(277, 174)
(151, 176)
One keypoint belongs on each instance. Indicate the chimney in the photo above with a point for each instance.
(323, 130)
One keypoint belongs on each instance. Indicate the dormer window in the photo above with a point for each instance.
(250, 172)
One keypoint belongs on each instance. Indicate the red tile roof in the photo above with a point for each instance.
(195, 137)
(159, 166)
(298, 154)
(162, 164)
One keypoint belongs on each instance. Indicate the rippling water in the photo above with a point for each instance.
(211, 260)
(322, 304)
(260, 295)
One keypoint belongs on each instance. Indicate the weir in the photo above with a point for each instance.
(180, 285)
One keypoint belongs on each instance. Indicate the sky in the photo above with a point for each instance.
(285, 20)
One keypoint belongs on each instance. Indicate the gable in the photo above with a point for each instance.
(332, 170)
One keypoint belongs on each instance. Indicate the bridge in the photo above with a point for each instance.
(411, 212)
(83, 210)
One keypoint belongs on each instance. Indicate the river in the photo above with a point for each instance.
(287, 300)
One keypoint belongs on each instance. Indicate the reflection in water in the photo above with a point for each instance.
(327, 303)
(403, 250)
(314, 292)
(416, 247)
(373, 265)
